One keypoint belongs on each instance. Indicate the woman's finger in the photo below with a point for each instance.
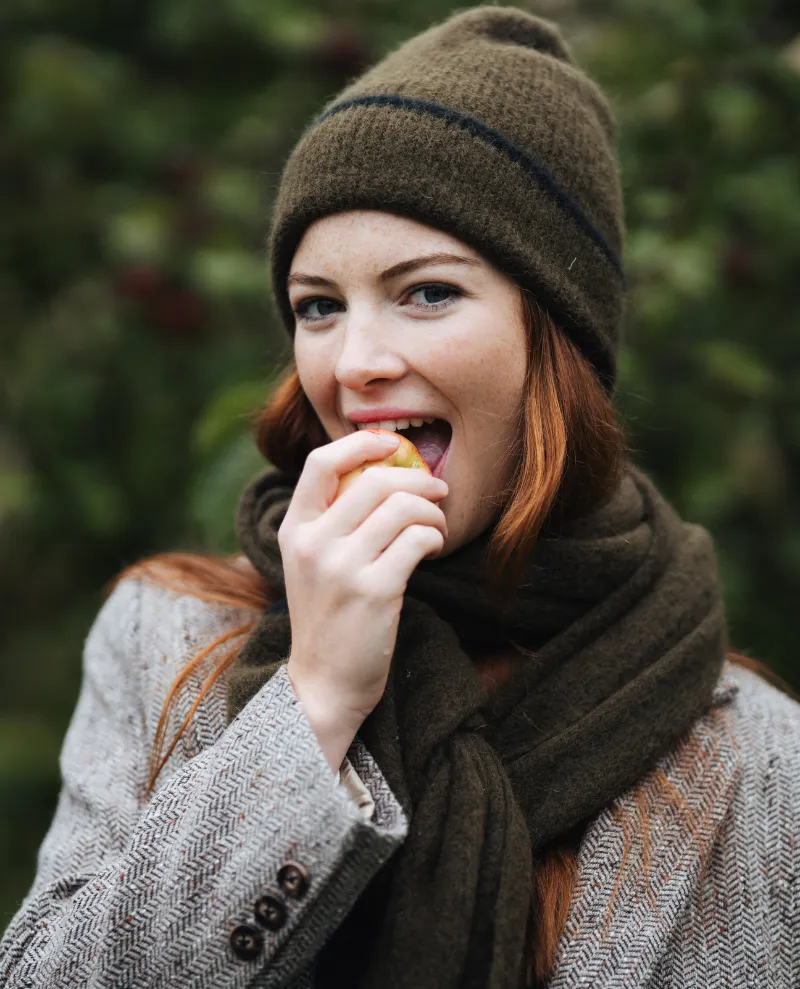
(396, 563)
(374, 487)
(382, 526)
(319, 481)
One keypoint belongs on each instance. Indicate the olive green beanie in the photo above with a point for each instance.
(482, 126)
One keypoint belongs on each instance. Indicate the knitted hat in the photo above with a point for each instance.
(484, 127)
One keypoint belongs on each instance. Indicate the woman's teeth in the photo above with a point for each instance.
(393, 424)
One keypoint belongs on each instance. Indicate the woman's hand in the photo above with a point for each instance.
(346, 564)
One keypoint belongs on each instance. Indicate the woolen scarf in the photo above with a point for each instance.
(623, 612)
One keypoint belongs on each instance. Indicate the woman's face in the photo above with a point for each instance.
(444, 339)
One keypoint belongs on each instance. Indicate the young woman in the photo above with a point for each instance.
(482, 729)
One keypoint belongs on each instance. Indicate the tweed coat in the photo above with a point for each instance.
(249, 854)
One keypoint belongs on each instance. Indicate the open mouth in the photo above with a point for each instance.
(432, 439)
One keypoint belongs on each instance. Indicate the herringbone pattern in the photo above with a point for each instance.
(142, 895)
(722, 908)
(133, 894)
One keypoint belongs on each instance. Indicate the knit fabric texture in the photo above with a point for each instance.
(139, 895)
(624, 612)
(482, 126)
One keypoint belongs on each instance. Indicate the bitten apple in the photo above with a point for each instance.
(406, 455)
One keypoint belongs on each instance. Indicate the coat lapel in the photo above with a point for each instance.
(619, 923)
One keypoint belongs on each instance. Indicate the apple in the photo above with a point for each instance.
(406, 455)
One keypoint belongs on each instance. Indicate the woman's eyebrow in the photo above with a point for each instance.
(401, 268)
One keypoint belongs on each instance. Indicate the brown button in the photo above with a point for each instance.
(293, 879)
(270, 911)
(246, 941)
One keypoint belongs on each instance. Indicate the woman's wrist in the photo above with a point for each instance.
(334, 725)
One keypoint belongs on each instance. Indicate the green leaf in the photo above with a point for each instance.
(737, 369)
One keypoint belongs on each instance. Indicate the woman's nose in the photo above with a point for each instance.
(366, 356)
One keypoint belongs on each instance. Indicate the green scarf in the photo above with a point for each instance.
(624, 611)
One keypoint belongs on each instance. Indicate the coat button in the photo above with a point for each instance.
(246, 941)
(270, 911)
(293, 879)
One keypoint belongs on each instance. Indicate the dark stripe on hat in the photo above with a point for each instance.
(497, 140)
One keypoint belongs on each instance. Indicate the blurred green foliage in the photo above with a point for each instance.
(140, 148)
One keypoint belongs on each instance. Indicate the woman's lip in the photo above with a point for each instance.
(437, 470)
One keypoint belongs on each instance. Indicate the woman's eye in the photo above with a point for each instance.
(435, 289)
(303, 310)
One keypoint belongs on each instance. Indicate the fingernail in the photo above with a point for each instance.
(384, 434)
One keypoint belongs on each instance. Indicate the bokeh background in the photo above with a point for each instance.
(141, 143)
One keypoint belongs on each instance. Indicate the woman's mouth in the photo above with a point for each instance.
(432, 440)
(438, 467)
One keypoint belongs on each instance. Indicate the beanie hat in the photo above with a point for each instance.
(484, 127)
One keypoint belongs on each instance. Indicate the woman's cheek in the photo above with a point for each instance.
(316, 378)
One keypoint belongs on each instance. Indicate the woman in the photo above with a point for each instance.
(481, 729)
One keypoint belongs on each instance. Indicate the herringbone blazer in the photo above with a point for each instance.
(248, 855)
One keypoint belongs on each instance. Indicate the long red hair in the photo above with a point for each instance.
(570, 453)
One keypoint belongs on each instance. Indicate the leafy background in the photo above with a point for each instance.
(141, 145)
